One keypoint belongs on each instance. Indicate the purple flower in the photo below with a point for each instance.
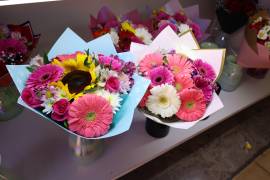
(161, 75)
(12, 46)
(204, 69)
(129, 68)
(162, 16)
(206, 86)
(112, 62)
(180, 17)
(196, 30)
(163, 24)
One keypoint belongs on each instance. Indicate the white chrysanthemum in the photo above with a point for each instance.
(37, 61)
(114, 36)
(183, 28)
(262, 34)
(113, 98)
(144, 35)
(47, 104)
(124, 83)
(163, 101)
(104, 74)
(259, 19)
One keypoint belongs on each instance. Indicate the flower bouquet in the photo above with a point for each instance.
(89, 94)
(129, 28)
(16, 45)
(255, 48)
(233, 14)
(179, 19)
(182, 86)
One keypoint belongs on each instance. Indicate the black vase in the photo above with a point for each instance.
(155, 129)
(231, 22)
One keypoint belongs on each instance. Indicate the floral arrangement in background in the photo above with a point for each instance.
(180, 88)
(129, 28)
(178, 21)
(16, 44)
(262, 27)
(80, 91)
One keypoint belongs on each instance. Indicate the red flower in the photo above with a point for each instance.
(180, 17)
(100, 32)
(60, 110)
(30, 98)
(125, 38)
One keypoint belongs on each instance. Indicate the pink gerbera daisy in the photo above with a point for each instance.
(90, 116)
(206, 86)
(179, 64)
(160, 75)
(204, 69)
(150, 61)
(183, 82)
(44, 75)
(193, 105)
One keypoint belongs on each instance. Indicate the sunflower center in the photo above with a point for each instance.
(190, 105)
(91, 116)
(163, 101)
(77, 80)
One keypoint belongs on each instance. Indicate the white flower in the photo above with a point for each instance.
(113, 98)
(267, 44)
(124, 83)
(266, 28)
(262, 34)
(183, 28)
(47, 104)
(104, 74)
(259, 19)
(144, 35)
(114, 36)
(163, 101)
(37, 61)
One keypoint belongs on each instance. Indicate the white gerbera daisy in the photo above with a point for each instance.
(163, 101)
(183, 28)
(114, 36)
(113, 98)
(262, 34)
(144, 35)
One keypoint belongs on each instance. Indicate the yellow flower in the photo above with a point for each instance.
(64, 88)
(126, 26)
(74, 64)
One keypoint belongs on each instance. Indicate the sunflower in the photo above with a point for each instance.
(64, 88)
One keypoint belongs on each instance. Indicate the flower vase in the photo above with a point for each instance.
(155, 129)
(257, 73)
(8, 99)
(86, 149)
(232, 74)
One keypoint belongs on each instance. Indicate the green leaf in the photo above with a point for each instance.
(46, 59)
(30, 68)
(65, 124)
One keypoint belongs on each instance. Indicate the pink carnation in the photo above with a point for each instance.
(112, 84)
